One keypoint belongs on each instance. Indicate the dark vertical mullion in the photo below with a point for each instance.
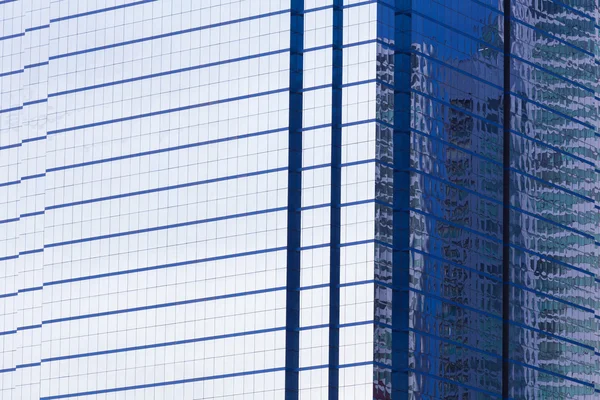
(292, 339)
(401, 218)
(336, 180)
(506, 208)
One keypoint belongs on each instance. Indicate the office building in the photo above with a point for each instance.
(299, 199)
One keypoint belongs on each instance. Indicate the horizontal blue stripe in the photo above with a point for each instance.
(313, 367)
(454, 146)
(28, 327)
(551, 297)
(23, 253)
(163, 227)
(346, 325)
(10, 183)
(576, 11)
(454, 303)
(13, 36)
(165, 35)
(554, 185)
(315, 167)
(368, 241)
(456, 383)
(165, 344)
(454, 343)
(368, 201)
(37, 28)
(66, 17)
(552, 373)
(29, 103)
(22, 179)
(454, 68)
(497, 317)
(557, 224)
(145, 269)
(164, 266)
(366, 282)
(308, 328)
(315, 127)
(368, 81)
(552, 335)
(16, 219)
(363, 43)
(145, 230)
(159, 384)
(451, 184)
(36, 364)
(552, 259)
(10, 146)
(367, 161)
(33, 176)
(32, 214)
(313, 287)
(313, 88)
(454, 224)
(36, 65)
(454, 264)
(145, 308)
(6, 110)
(314, 246)
(163, 305)
(317, 48)
(455, 107)
(361, 364)
(166, 73)
(161, 112)
(347, 45)
(552, 110)
(499, 50)
(31, 289)
(6, 221)
(33, 139)
(557, 149)
(551, 36)
(164, 188)
(361, 323)
(368, 121)
(560, 77)
(315, 207)
(18, 71)
(168, 149)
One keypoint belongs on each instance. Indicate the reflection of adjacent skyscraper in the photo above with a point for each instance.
(552, 218)
(554, 257)
(455, 319)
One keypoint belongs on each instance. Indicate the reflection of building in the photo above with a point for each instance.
(458, 128)
(307, 199)
(554, 188)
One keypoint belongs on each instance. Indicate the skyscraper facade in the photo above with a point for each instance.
(300, 199)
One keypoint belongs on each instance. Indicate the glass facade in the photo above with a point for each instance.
(300, 199)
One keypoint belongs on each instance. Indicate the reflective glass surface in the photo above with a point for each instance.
(299, 199)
